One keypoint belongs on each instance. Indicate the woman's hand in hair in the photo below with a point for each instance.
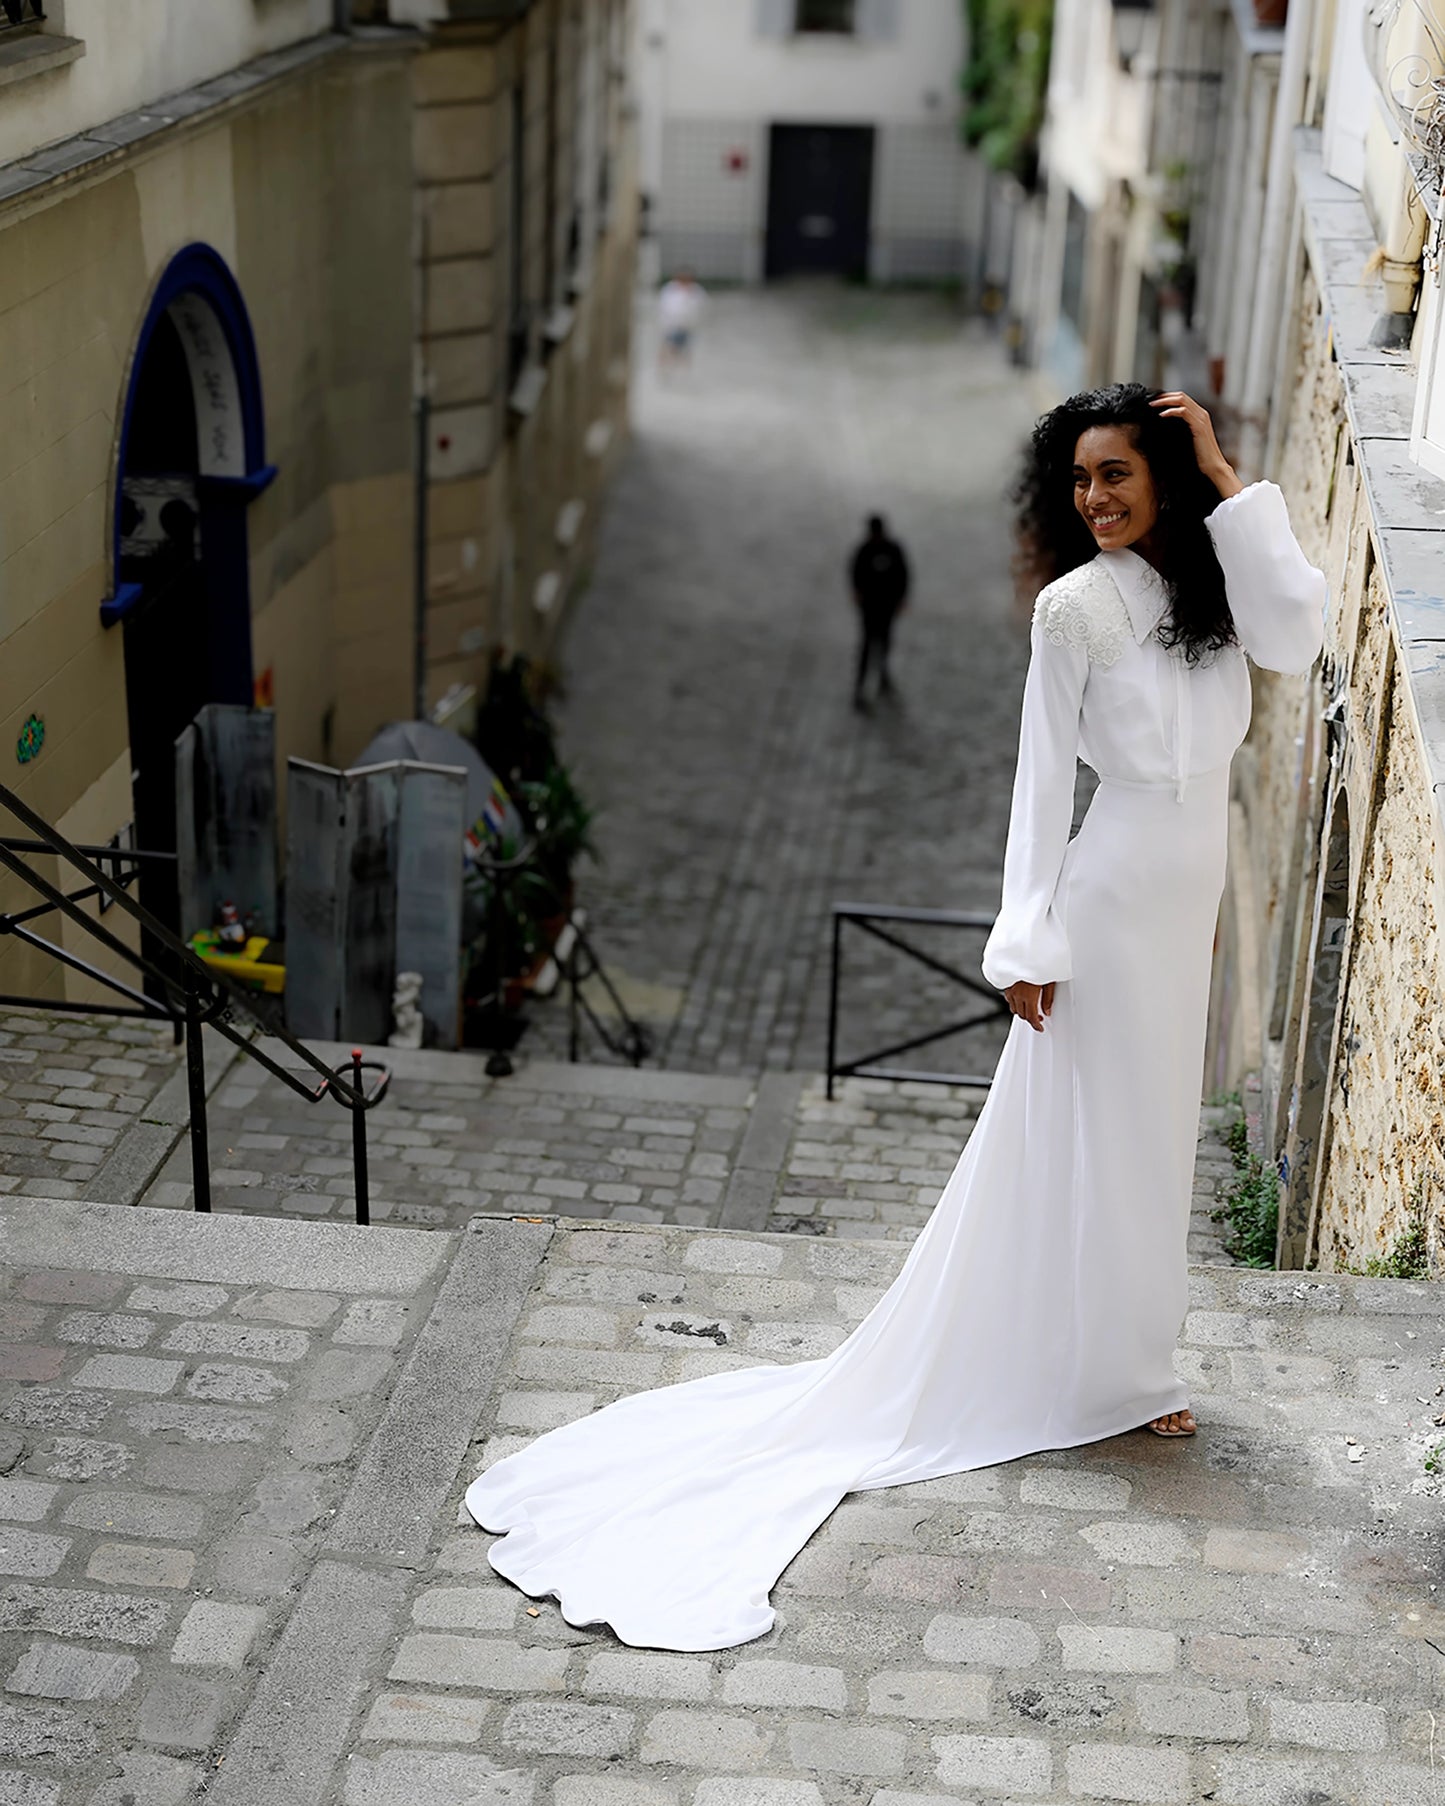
(1174, 404)
(1031, 1002)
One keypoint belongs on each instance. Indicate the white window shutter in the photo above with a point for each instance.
(775, 18)
(877, 20)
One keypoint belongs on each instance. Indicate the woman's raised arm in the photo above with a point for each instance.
(1276, 596)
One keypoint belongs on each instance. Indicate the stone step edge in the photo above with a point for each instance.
(1271, 1288)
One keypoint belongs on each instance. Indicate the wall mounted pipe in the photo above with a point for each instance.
(1274, 238)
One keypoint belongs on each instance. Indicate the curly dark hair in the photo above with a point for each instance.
(1053, 537)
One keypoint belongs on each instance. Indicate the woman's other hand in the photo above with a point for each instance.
(1031, 1002)
(1174, 404)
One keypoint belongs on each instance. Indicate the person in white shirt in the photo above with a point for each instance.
(680, 305)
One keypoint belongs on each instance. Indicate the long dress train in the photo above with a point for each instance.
(1040, 1306)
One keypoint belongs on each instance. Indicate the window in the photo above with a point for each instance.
(15, 13)
(1350, 97)
(33, 40)
(825, 15)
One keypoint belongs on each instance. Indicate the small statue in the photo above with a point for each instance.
(230, 929)
(406, 1011)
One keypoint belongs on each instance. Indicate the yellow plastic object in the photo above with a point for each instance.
(248, 968)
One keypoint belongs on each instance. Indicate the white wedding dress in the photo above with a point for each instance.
(1040, 1306)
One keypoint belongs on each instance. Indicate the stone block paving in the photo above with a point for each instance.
(182, 1408)
(448, 1142)
(70, 1088)
(1250, 1618)
(607, 1142)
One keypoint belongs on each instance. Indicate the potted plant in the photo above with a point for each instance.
(561, 824)
(525, 895)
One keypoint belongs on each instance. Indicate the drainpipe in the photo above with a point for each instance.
(341, 17)
(1403, 223)
(1274, 241)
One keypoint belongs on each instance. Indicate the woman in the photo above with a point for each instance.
(1040, 1306)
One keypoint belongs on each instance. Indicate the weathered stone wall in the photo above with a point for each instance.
(1345, 878)
(1386, 1154)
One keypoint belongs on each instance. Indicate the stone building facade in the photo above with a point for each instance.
(526, 220)
(784, 137)
(313, 356)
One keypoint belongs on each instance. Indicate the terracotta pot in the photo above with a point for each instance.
(1270, 12)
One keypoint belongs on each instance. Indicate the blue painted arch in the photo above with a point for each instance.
(202, 299)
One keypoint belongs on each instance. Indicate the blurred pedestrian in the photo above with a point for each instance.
(880, 576)
(680, 304)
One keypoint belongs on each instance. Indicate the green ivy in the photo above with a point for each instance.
(1250, 1207)
(1005, 81)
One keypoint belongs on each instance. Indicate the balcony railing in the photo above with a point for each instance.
(21, 15)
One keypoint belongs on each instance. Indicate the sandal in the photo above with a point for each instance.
(1172, 1435)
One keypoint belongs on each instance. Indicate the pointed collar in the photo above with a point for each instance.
(1143, 590)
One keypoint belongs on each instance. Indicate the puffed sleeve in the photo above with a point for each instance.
(1276, 595)
(1028, 940)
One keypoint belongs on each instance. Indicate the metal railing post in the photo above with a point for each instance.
(499, 1064)
(833, 1001)
(196, 1082)
(574, 1026)
(358, 1141)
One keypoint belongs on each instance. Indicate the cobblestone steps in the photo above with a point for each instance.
(231, 1565)
(607, 1142)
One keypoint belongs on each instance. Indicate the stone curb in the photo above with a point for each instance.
(411, 1462)
(226, 1250)
(753, 1183)
(298, 1722)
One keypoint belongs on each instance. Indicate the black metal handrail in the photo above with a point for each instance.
(187, 993)
(867, 917)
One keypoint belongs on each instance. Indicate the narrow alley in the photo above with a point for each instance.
(709, 666)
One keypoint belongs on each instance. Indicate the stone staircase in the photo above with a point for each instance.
(606, 1142)
(232, 1453)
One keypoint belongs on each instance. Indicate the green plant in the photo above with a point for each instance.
(1409, 1255)
(1435, 1459)
(1250, 1206)
(1006, 80)
(560, 821)
(514, 907)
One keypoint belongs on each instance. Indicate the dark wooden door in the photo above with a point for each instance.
(820, 189)
(166, 672)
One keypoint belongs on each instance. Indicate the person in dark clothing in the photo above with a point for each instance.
(879, 574)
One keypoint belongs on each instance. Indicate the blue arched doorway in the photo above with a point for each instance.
(190, 459)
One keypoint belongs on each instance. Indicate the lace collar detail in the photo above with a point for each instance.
(1085, 609)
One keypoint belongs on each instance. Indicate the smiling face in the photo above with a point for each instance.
(1113, 489)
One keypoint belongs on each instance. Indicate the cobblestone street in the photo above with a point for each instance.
(708, 672)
